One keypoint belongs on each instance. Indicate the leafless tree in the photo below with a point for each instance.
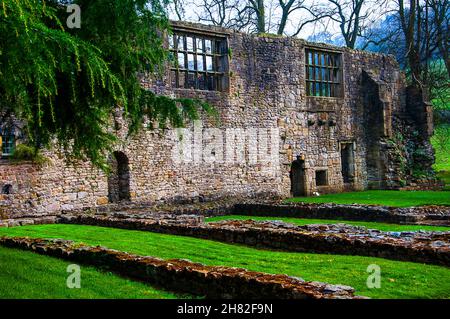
(248, 15)
(217, 12)
(418, 33)
(311, 13)
(259, 16)
(409, 20)
(236, 14)
(233, 14)
(178, 8)
(441, 21)
(425, 36)
(354, 17)
(258, 7)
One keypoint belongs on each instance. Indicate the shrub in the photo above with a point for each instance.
(25, 152)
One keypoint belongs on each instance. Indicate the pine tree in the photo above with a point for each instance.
(66, 83)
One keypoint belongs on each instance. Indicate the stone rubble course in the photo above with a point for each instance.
(427, 215)
(424, 247)
(185, 276)
(15, 222)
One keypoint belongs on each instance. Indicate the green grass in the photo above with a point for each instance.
(399, 279)
(27, 275)
(301, 222)
(385, 198)
(442, 162)
(442, 153)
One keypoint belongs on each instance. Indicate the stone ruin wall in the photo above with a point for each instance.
(266, 90)
(50, 188)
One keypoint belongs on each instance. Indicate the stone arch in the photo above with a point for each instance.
(119, 178)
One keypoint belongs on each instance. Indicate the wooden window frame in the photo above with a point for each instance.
(5, 140)
(218, 55)
(324, 73)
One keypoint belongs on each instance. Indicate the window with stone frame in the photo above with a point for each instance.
(323, 73)
(321, 178)
(8, 142)
(198, 61)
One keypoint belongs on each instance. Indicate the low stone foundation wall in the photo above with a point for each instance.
(432, 215)
(219, 207)
(424, 247)
(42, 220)
(185, 276)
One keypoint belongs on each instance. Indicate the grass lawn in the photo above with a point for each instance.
(300, 221)
(27, 275)
(442, 165)
(441, 151)
(399, 279)
(385, 198)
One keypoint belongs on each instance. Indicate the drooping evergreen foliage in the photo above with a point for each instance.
(66, 83)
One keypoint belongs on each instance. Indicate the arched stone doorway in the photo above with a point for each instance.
(297, 175)
(119, 178)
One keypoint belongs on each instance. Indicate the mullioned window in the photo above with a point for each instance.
(198, 61)
(323, 73)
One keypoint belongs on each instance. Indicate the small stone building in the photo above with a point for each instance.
(344, 120)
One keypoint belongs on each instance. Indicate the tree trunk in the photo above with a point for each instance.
(408, 27)
(440, 17)
(261, 16)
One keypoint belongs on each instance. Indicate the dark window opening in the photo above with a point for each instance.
(119, 178)
(347, 162)
(323, 73)
(198, 62)
(321, 178)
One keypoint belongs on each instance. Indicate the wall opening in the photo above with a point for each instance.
(377, 125)
(321, 178)
(348, 162)
(7, 189)
(119, 178)
(297, 175)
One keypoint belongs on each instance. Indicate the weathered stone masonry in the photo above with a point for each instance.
(264, 86)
